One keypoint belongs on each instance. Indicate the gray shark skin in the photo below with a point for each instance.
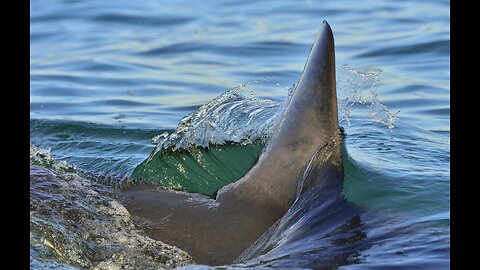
(304, 142)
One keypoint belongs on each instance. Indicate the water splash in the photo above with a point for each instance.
(358, 88)
(230, 117)
(234, 117)
(43, 157)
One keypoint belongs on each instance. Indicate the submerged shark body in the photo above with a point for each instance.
(305, 142)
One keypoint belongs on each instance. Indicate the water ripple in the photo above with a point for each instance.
(140, 20)
(440, 47)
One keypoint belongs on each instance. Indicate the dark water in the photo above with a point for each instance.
(107, 77)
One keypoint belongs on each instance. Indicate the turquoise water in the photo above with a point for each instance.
(106, 78)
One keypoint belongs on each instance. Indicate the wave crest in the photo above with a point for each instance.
(238, 118)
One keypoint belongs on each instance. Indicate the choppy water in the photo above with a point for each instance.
(107, 78)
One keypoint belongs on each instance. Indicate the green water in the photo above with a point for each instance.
(198, 170)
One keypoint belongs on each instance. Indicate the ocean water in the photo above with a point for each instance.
(116, 85)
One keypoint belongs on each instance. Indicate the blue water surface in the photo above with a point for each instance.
(107, 76)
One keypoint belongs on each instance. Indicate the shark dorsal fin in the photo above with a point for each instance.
(294, 161)
(309, 120)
